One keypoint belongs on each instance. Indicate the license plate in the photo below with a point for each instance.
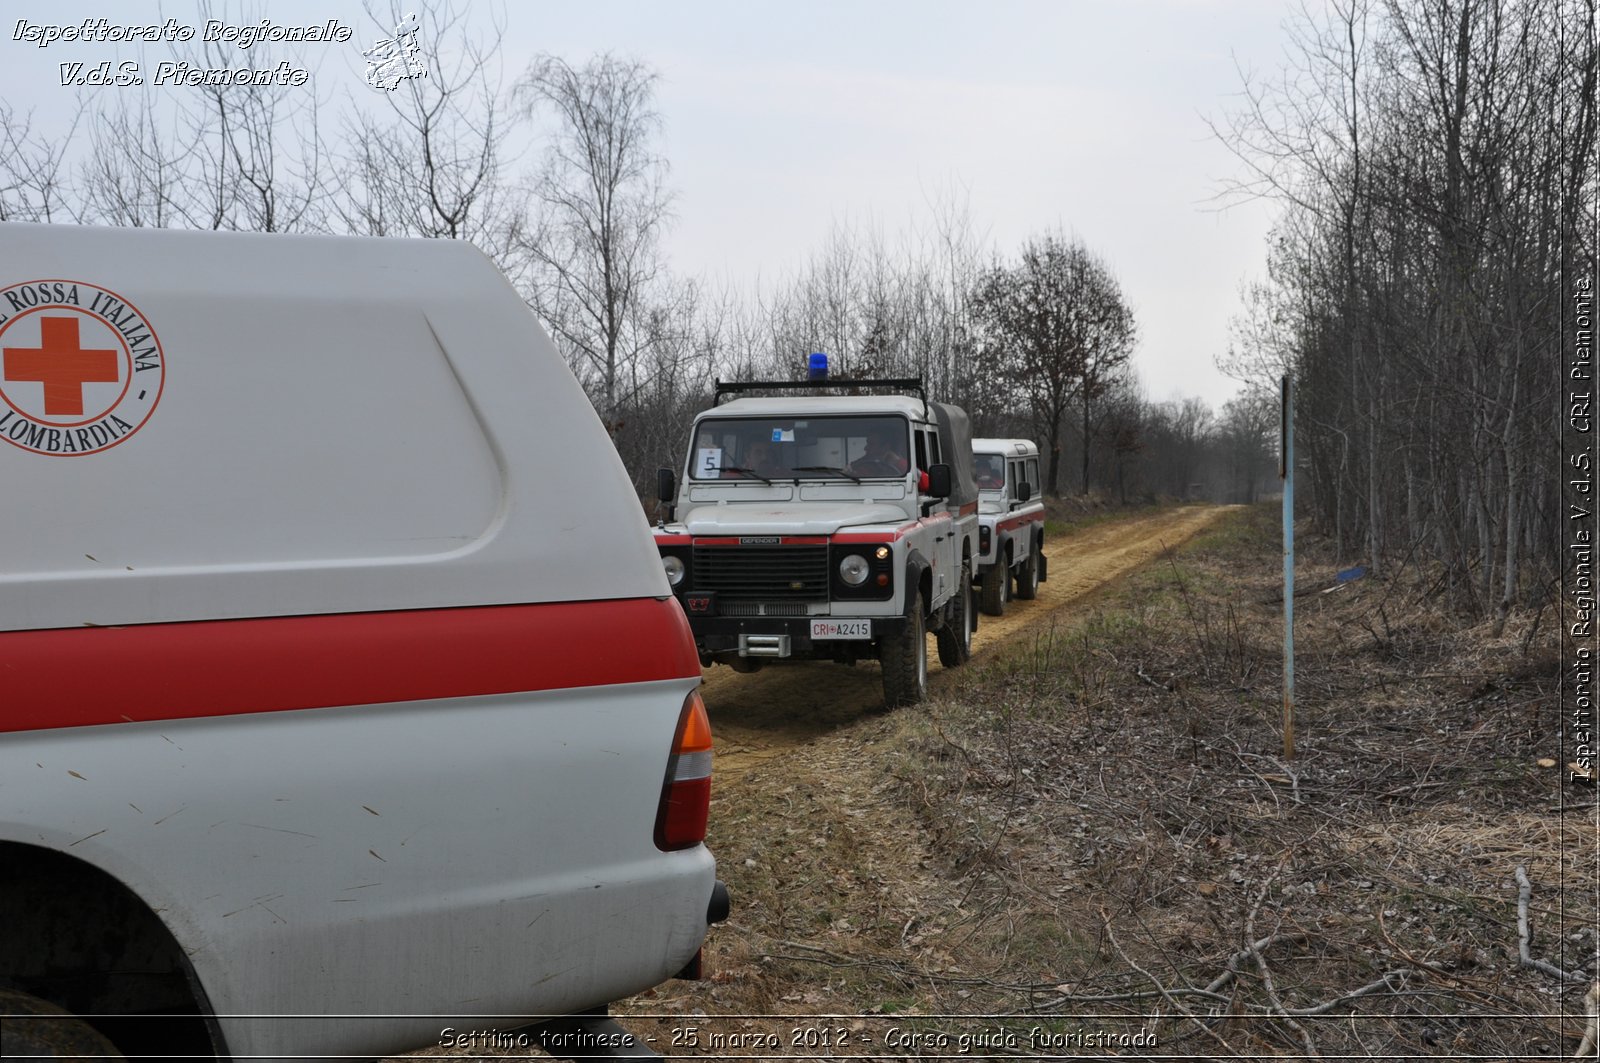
(841, 629)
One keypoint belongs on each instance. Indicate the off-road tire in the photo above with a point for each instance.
(955, 637)
(996, 590)
(905, 660)
(37, 1029)
(1028, 575)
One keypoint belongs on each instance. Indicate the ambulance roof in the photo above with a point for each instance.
(204, 425)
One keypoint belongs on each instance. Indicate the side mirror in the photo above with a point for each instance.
(939, 481)
(1024, 490)
(666, 485)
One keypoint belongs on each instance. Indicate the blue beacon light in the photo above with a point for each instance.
(817, 366)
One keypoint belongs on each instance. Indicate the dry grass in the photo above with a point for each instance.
(1098, 830)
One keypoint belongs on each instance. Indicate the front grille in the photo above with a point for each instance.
(763, 573)
(765, 609)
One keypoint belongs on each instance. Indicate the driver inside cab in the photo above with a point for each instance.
(880, 458)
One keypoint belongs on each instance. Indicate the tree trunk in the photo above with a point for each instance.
(1084, 490)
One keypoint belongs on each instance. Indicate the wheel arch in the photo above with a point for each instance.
(79, 937)
(919, 577)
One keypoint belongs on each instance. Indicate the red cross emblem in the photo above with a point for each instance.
(61, 364)
(81, 368)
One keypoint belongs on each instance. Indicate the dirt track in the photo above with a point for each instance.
(757, 716)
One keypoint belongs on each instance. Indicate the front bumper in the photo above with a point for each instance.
(720, 635)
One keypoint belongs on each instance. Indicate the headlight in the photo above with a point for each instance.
(882, 553)
(853, 570)
(674, 567)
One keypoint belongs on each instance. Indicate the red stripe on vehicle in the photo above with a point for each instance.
(77, 677)
(1017, 522)
(672, 540)
(889, 537)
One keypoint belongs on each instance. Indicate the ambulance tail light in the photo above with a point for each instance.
(686, 793)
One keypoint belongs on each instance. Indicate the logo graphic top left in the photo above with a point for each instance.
(81, 369)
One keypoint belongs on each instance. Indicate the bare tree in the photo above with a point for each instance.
(1247, 432)
(1125, 418)
(33, 170)
(601, 205)
(1057, 325)
(138, 170)
(427, 160)
(1432, 157)
(252, 157)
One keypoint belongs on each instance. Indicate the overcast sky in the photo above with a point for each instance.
(782, 119)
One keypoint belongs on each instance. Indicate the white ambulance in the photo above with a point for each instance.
(320, 732)
(1010, 521)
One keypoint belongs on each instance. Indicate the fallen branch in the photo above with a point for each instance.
(1117, 998)
(1385, 982)
(1105, 917)
(1266, 972)
(1138, 670)
(1244, 954)
(1294, 779)
(1257, 948)
(1524, 891)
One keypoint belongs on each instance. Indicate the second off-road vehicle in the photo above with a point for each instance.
(1010, 521)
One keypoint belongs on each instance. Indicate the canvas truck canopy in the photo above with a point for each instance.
(207, 426)
(955, 439)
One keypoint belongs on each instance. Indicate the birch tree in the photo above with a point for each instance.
(600, 207)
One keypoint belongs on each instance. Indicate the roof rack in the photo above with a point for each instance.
(903, 383)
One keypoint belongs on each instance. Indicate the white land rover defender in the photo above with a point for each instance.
(1010, 520)
(826, 527)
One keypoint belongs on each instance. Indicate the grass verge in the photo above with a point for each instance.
(1094, 836)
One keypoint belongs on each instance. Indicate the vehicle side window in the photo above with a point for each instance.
(933, 448)
(922, 449)
(1033, 476)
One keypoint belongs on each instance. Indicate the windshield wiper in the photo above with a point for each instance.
(745, 471)
(828, 468)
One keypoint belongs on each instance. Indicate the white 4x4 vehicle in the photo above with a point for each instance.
(315, 743)
(1011, 520)
(826, 527)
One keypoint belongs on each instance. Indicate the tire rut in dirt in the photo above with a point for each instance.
(756, 717)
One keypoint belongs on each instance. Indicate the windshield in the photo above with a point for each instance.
(790, 448)
(990, 470)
